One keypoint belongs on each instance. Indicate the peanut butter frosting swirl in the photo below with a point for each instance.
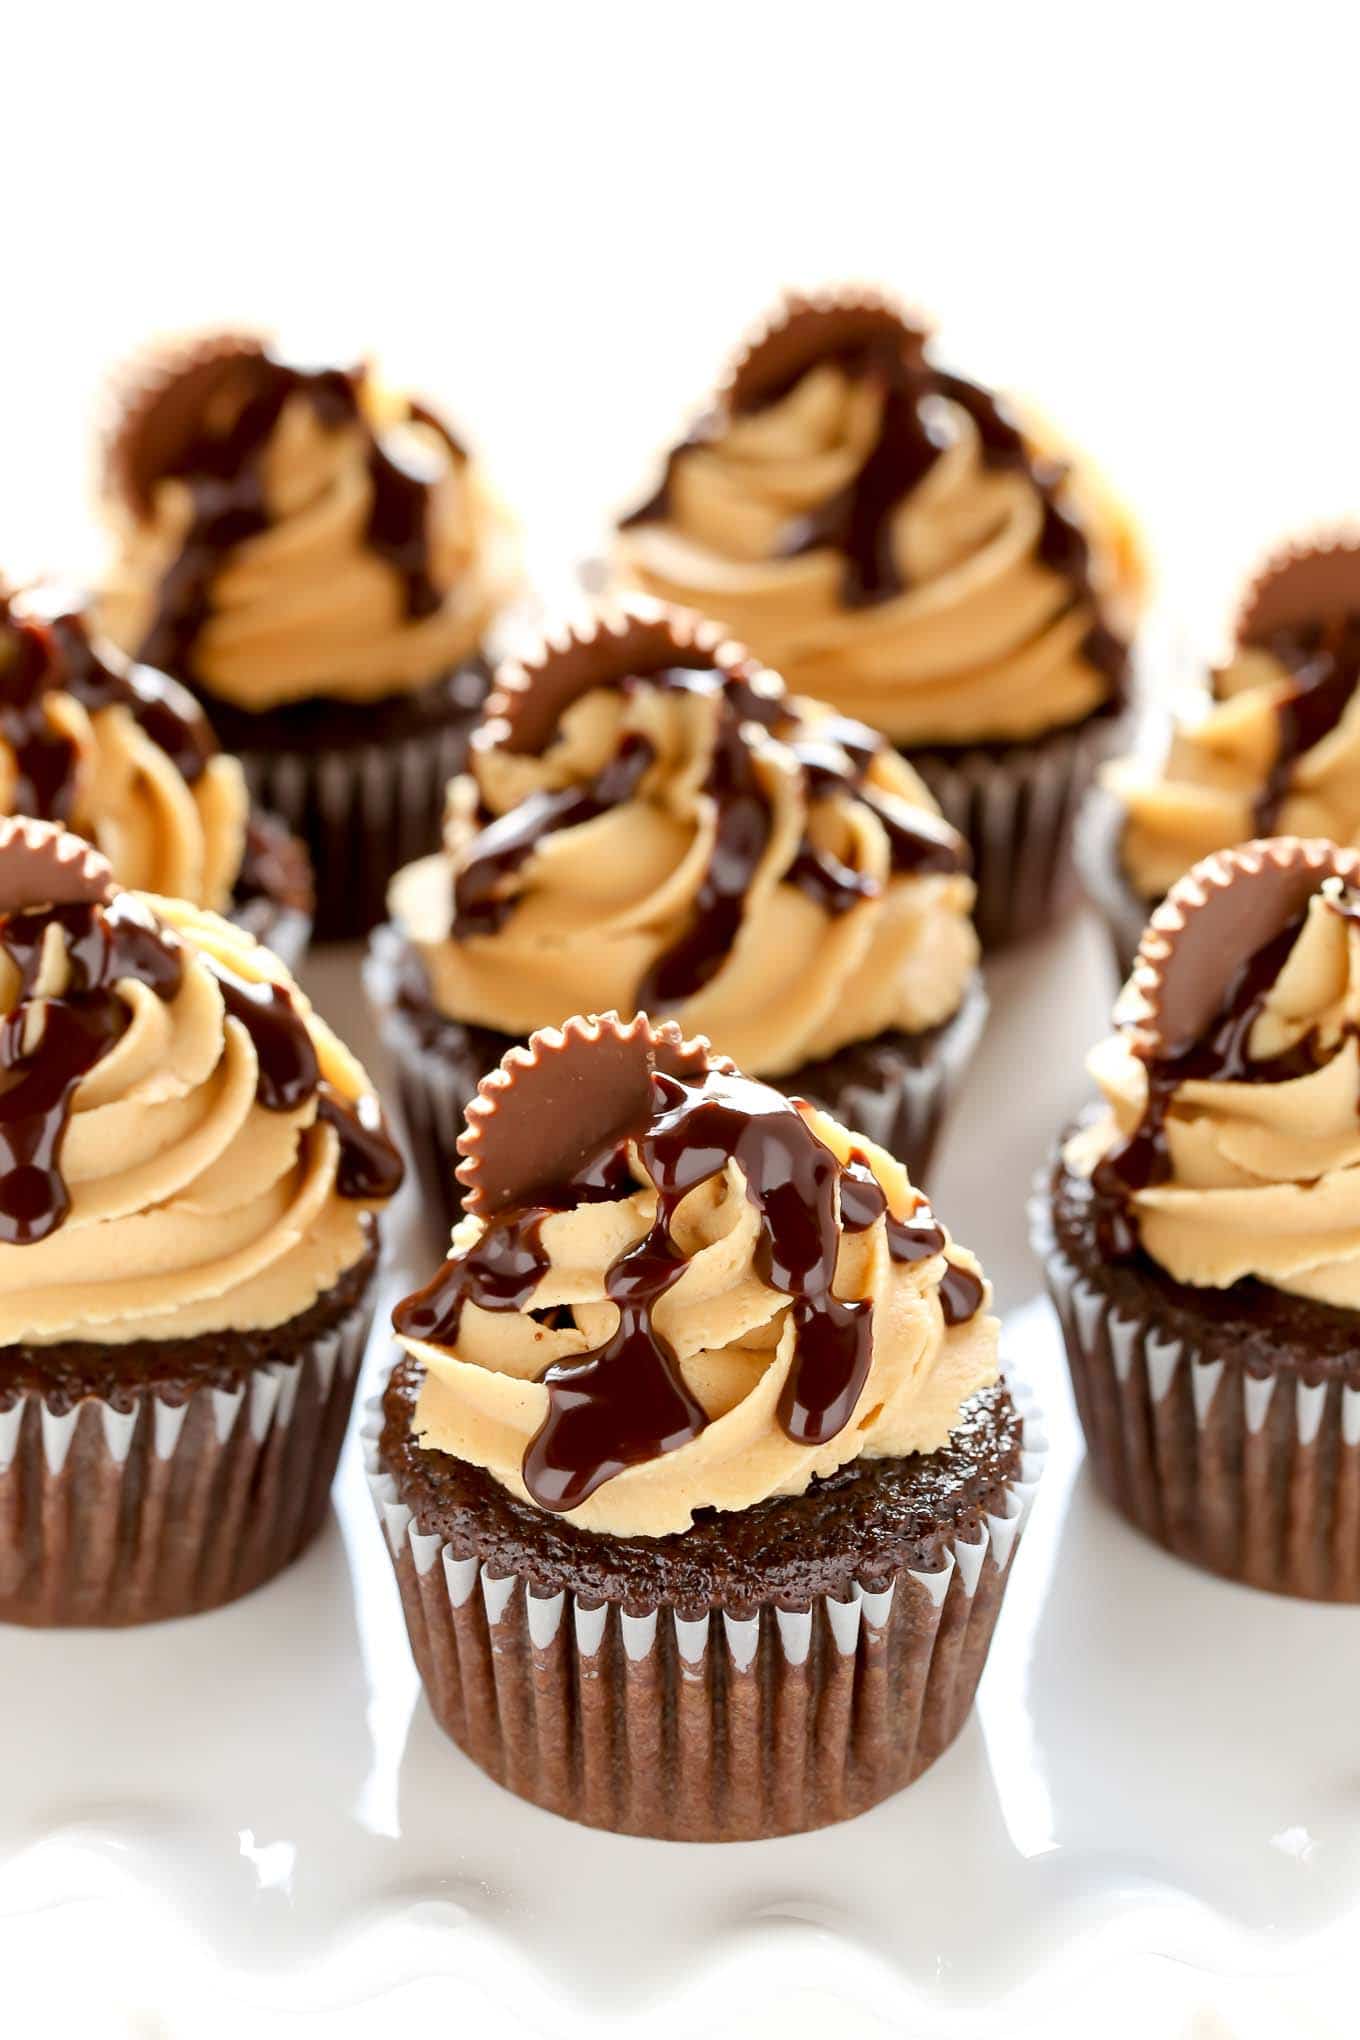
(650, 821)
(185, 1147)
(884, 534)
(1276, 751)
(730, 1297)
(285, 533)
(1229, 1144)
(118, 753)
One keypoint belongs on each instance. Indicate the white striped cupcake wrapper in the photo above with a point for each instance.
(1255, 1476)
(111, 1516)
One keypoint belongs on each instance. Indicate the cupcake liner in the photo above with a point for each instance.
(1017, 807)
(111, 1516)
(363, 811)
(1096, 848)
(874, 1088)
(725, 1724)
(1253, 1476)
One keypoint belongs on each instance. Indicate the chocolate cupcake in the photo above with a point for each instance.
(886, 534)
(651, 822)
(190, 1168)
(1201, 1236)
(1274, 749)
(321, 563)
(699, 1479)
(126, 758)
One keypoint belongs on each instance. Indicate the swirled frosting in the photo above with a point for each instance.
(650, 821)
(185, 1147)
(884, 535)
(1276, 751)
(1234, 1151)
(731, 1297)
(116, 752)
(285, 533)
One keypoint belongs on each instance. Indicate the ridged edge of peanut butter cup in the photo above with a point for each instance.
(561, 1098)
(1209, 926)
(1311, 579)
(44, 865)
(803, 329)
(154, 403)
(532, 693)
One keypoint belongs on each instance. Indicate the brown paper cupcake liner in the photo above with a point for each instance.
(1017, 807)
(1255, 1476)
(871, 1088)
(114, 1516)
(726, 1726)
(363, 811)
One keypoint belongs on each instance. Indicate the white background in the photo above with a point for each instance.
(557, 221)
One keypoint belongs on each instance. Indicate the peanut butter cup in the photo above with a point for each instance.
(697, 1438)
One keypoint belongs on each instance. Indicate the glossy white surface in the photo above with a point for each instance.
(1159, 1764)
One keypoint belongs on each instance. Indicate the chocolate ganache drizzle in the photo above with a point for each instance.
(222, 466)
(627, 1401)
(45, 649)
(857, 521)
(835, 756)
(1324, 672)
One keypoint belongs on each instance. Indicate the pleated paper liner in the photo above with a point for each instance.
(1016, 805)
(111, 1516)
(1255, 1476)
(895, 1090)
(725, 1725)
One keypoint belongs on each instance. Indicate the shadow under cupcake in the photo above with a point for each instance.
(887, 536)
(690, 1544)
(320, 561)
(650, 821)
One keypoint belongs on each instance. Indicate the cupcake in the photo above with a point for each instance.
(887, 536)
(190, 1168)
(1201, 1233)
(698, 1475)
(320, 562)
(125, 757)
(649, 821)
(1274, 749)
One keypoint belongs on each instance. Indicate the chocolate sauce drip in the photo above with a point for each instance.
(224, 473)
(835, 756)
(1143, 1159)
(504, 845)
(103, 944)
(49, 652)
(857, 520)
(289, 1073)
(626, 1402)
(1319, 694)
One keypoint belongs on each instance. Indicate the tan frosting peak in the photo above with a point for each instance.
(116, 752)
(343, 544)
(692, 838)
(1233, 1080)
(733, 1339)
(195, 1186)
(981, 621)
